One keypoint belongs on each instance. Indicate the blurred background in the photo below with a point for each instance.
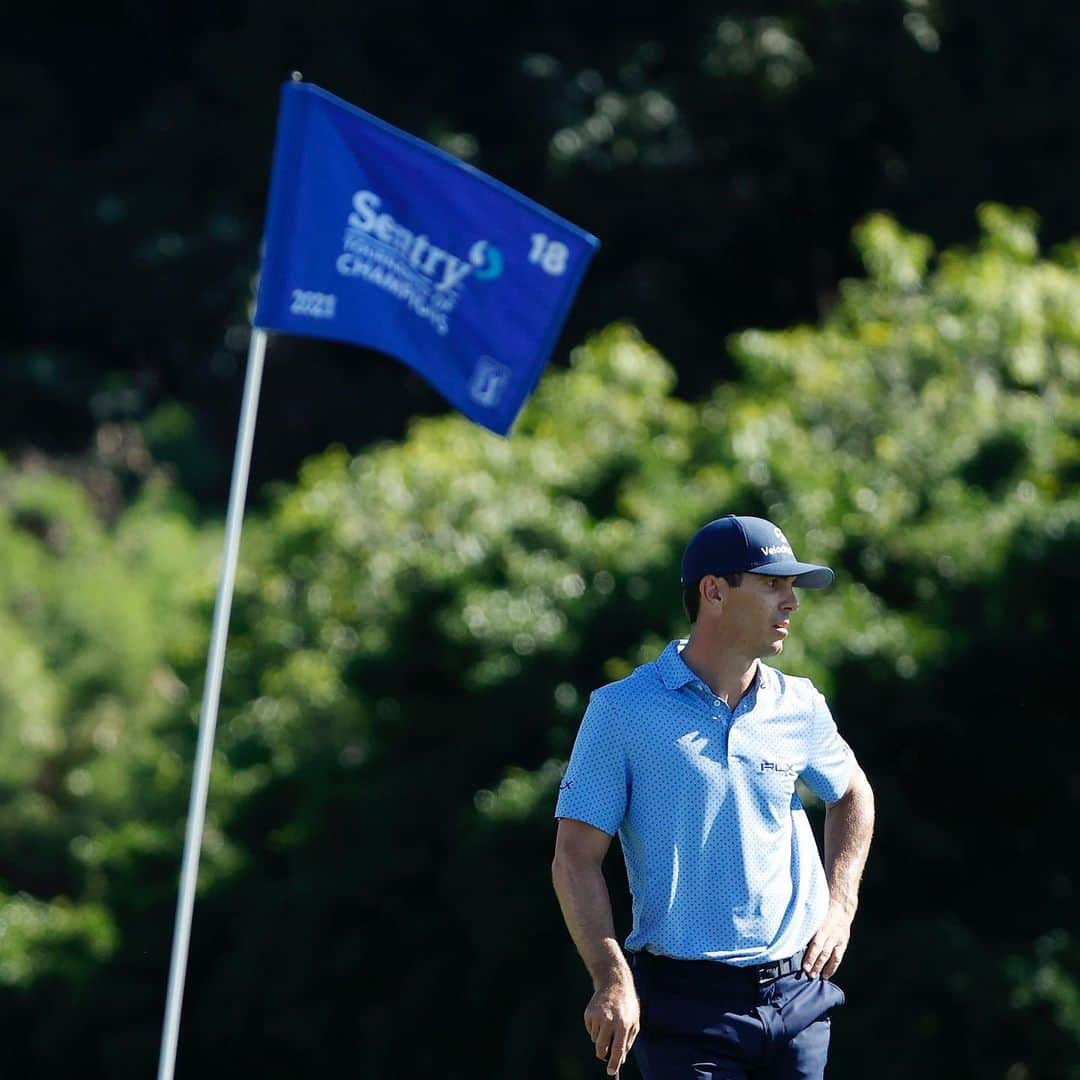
(839, 286)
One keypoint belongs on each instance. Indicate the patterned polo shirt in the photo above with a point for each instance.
(720, 856)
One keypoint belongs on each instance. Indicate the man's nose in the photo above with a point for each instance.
(791, 600)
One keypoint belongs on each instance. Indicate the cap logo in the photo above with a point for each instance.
(778, 549)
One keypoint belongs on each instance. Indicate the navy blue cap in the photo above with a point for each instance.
(747, 545)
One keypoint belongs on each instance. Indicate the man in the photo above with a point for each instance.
(737, 926)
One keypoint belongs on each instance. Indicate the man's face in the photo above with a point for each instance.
(756, 613)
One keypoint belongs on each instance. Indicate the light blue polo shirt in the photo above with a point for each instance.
(720, 857)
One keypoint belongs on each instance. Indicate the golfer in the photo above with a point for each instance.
(692, 759)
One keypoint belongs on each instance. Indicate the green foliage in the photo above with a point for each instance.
(39, 941)
(415, 635)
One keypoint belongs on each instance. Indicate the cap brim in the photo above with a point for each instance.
(806, 575)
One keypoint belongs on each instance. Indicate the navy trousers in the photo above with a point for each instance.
(702, 1020)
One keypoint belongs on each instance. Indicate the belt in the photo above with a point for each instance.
(776, 968)
(714, 969)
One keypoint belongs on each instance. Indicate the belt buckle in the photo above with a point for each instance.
(768, 972)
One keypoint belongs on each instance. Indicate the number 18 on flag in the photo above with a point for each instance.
(375, 238)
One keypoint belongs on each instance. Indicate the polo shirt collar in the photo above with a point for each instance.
(672, 668)
(675, 674)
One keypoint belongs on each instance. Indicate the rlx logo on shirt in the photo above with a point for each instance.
(778, 767)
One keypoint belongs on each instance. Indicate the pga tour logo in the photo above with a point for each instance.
(488, 382)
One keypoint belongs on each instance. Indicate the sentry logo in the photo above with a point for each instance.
(445, 271)
(487, 259)
(425, 277)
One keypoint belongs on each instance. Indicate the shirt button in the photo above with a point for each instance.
(717, 702)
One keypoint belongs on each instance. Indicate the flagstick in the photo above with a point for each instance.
(208, 716)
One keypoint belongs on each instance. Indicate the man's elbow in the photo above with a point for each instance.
(567, 864)
(566, 870)
(558, 868)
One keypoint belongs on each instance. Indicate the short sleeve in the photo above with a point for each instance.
(595, 786)
(829, 759)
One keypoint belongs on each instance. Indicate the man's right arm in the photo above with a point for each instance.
(612, 1015)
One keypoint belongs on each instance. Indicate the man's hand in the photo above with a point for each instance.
(828, 945)
(612, 1019)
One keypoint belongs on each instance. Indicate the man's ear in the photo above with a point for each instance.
(711, 589)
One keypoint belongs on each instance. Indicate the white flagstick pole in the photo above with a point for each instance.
(208, 716)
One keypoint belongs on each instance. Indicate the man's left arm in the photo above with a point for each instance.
(849, 825)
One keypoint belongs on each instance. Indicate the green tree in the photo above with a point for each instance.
(416, 632)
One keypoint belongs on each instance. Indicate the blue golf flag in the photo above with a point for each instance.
(376, 238)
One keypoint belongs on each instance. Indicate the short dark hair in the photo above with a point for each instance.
(691, 594)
